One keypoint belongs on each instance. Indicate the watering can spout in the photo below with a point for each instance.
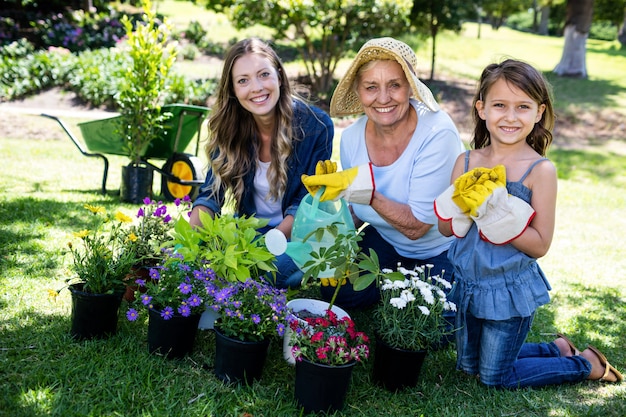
(277, 244)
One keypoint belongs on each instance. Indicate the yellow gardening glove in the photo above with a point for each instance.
(473, 187)
(331, 281)
(355, 184)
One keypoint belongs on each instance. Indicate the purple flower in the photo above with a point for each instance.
(140, 282)
(167, 313)
(194, 300)
(141, 212)
(184, 310)
(280, 329)
(255, 318)
(154, 274)
(132, 314)
(147, 201)
(145, 299)
(167, 218)
(185, 287)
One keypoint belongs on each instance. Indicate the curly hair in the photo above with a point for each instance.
(530, 81)
(233, 146)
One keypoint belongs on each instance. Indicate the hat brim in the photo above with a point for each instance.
(345, 101)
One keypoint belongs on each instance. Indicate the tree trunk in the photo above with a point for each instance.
(543, 22)
(577, 25)
(621, 35)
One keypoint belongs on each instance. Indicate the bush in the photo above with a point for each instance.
(97, 75)
(34, 72)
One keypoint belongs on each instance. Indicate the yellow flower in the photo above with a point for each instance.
(53, 294)
(121, 217)
(132, 237)
(82, 234)
(95, 209)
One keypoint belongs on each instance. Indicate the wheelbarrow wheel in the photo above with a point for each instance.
(183, 167)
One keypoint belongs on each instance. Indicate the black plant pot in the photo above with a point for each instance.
(174, 338)
(136, 183)
(94, 316)
(239, 361)
(322, 388)
(396, 369)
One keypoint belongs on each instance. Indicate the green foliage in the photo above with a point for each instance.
(195, 33)
(141, 92)
(345, 257)
(232, 245)
(322, 30)
(97, 77)
(104, 256)
(21, 76)
(410, 314)
(79, 30)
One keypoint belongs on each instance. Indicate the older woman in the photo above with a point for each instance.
(399, 157)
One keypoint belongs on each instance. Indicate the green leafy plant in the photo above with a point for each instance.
(105, 256)
(345, 257)
(252, 310)
(231, 244)
(410, 314)
(141, 94)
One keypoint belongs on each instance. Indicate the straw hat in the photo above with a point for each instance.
(345, 102)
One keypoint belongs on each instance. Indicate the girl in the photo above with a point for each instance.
(501, 206)
(262, 138)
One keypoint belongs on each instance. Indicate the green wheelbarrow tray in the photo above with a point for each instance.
(104, 135)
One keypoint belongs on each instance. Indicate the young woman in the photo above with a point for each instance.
(262, 138)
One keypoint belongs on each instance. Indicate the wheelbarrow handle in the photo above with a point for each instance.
(82, 150)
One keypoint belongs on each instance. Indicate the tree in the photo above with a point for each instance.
(613, 11)
(577, 24)
(321, 30)
(432, 16)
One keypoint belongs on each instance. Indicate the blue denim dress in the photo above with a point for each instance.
(497, 282)
(497, 289)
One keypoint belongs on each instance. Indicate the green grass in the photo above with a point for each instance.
(45, 373)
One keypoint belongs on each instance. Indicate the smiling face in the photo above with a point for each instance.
(256, 84)
(509, 113)
(384, 92)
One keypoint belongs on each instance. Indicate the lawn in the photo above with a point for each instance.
(45, 184)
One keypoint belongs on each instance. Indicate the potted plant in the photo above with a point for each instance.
(339, 260)
(251, 312)
(100, 263)
(174, 296)
(148, 233)
(410, 321)
(231, 244)
(141, 97)
(325, 349)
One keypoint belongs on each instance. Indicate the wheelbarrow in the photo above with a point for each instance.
(182, 173)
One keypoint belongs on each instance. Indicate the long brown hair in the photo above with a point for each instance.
(530, 81)
(233, 147)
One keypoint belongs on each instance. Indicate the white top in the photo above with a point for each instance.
(266, 207)
(416, 178)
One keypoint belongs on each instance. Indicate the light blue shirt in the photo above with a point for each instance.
(416, 178)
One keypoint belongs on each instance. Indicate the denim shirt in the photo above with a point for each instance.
(313, 133)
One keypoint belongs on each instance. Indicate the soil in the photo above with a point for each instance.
(591, 129)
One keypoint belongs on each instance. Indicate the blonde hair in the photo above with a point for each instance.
(233, 146)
